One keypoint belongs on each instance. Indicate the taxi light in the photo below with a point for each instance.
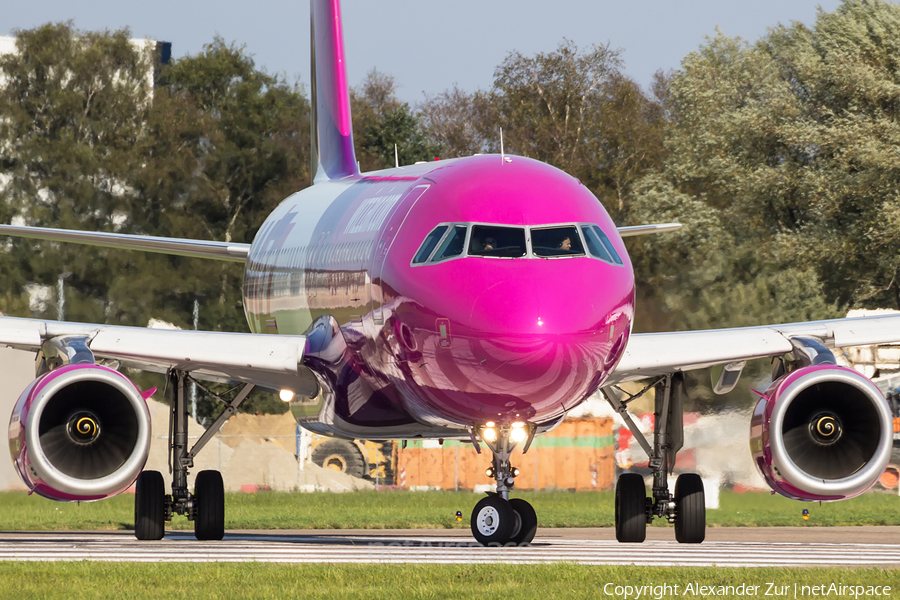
(286, 395)
(518, 435)
(489, 424)
(518, 425)
(489, 434)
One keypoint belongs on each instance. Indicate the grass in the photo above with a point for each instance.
(258, 580)
(413, 510)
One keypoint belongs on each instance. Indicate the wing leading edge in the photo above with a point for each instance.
(269, 361)
(651, 354)
(146, 243)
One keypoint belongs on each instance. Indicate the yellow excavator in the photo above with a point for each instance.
(375, 461)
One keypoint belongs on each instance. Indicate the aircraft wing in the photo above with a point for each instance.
(271, 361)
(652, 354)
(146, 243)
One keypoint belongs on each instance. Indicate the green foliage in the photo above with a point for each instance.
(225, 144)
(73, 107)
(89, 145)
(380, 121)
(533, 580)
(788, 148)
(433, 510)
(570, 108)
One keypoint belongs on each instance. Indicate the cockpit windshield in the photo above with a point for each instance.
(556, 241)
(503, 242)
(456, 240)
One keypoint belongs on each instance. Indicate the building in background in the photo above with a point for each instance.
(162, 51)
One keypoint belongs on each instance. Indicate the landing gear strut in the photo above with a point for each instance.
(206, 506)
(497, 520)
(687, 507)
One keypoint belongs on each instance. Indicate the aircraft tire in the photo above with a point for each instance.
(527, 522)
(493, 520)
(631, 508)
(209, 496)
(149, 506)
(690, 509)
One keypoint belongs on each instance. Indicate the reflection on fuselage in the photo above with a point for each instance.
(447, 344)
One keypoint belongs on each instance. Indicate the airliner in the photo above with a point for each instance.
(476, 299)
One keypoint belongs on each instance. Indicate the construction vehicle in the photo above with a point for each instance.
(375, 461)
(890, 480)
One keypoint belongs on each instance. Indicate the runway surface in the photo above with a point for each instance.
(725, 547)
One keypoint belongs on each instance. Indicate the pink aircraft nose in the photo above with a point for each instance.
(527, 307)
(530, 347)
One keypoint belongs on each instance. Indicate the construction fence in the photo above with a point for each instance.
(577, 455)
(271, 452)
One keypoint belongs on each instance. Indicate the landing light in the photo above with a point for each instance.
(286, 395)
(489, 434)
(518, 435)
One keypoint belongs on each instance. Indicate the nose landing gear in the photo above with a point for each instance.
(497, 520)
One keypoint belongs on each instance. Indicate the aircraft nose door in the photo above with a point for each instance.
(380, 291)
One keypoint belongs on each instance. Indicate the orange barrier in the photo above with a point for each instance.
(577, 455)
(890, 479)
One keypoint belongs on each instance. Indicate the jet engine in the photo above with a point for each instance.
(821, 432)
(80, 432)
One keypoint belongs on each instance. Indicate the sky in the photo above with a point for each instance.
(429, 46)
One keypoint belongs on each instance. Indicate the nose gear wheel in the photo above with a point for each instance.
(492, 521)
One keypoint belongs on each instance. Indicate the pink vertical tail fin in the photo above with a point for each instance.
(332, 128)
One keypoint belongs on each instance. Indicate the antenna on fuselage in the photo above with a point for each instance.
(501, 144)
(396, 157)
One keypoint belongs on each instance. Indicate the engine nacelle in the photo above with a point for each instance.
(80, 432)
(821, 432)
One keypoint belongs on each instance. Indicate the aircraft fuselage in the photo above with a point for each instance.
(442, 344)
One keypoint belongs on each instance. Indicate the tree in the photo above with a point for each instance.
(380, 121)
(459, 123)
(570, 108)
(225, 144)
(793, 142)
(73, 106)
(87, 143)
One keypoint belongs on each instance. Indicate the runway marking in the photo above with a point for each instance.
(182, 547)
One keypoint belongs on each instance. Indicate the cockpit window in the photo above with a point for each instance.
(556, 241)
(453, 245)
(498, 242)
(595, 246)
(428, 245)
(608, 245)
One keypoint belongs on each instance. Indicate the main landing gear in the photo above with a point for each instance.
(498, 520)
(206, 505)
(686, 509)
